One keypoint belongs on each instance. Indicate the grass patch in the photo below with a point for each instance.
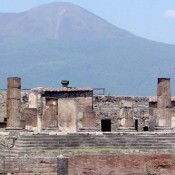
(88, 150)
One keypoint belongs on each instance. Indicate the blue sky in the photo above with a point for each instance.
(151, 19)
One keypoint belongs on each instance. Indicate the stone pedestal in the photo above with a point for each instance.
(126, 115)
(13, 103)
(50, 114)
(29, 117)
(88, 122)
(163, 104)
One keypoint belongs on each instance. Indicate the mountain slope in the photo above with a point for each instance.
(59, 21)
(63, 41)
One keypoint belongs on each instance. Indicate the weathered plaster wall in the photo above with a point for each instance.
(70, 106)
(67, 115)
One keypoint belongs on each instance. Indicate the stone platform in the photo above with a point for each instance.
(118, 140)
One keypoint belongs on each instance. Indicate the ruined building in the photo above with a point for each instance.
(69, 109)
(121, 134)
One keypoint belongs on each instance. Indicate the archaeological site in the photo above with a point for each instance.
(73, 131)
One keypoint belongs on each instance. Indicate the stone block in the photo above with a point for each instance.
(140, 125)
(13, 104)
(50, 117)
(163, 102)
(163, 87)
(152, 123)
(164, 117)
(29, 115)
(14, 82)
(89, 119)
(14, 93)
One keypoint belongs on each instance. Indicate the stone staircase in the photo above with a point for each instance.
(140, 141)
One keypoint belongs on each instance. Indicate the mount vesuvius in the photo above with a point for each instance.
(59, 41)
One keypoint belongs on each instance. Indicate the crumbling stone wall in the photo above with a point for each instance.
(105, 107)
(3, 108)
(114, 107)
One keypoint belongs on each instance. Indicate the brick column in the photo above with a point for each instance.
(163, 103)
(13, 102)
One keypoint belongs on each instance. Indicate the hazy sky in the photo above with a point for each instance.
(152, 19)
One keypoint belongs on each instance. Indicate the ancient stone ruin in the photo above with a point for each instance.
(121, 134)
(69, 109)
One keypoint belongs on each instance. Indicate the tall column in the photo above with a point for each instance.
(163, 103)
(13, 102)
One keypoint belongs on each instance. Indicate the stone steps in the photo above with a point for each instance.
(83, 140)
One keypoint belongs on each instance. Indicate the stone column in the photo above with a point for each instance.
(39, 112)
(163, 104)
(13, 102)
(62, 165)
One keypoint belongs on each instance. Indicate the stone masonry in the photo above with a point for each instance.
(96, 164)
(13, 102)
(68, 109)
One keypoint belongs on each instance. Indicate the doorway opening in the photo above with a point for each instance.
(136, 125)
(106, 125)
(145, 128)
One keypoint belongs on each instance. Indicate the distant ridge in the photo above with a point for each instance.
(59, 40)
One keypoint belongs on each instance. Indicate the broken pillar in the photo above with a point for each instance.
(126, 115)
(13, 102)
(62, 165)
(152, 123)
(163, 104)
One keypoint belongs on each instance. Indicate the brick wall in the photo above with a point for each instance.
(32, 166)
(122, 164)
(106, 164)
